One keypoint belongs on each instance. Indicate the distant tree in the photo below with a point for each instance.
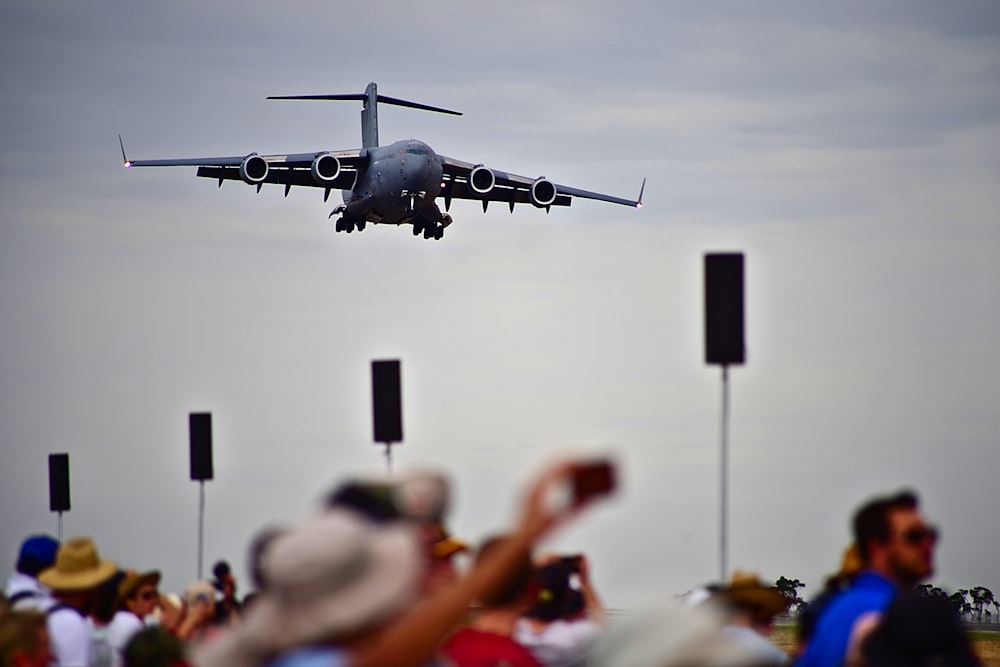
(930, 591)
(790, 589)
(982, 599)
(960, 602)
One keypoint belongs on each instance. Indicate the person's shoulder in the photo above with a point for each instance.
(316, 656)
(469, 646)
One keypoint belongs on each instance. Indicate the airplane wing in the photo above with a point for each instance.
(333, 170)
(464, 180)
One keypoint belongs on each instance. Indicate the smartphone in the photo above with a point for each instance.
(596, 478)
(387, 403)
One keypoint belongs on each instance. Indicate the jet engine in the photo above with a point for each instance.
(482, 180)
(543, 192)
(325, 168)
(253, 169)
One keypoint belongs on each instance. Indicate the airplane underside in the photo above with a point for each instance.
(426, 219)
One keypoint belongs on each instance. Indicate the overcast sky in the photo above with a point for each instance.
(851, 150)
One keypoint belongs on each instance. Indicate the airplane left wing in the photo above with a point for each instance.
(464, 180)
(333, 170)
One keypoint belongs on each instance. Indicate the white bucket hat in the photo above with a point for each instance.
(332, 575)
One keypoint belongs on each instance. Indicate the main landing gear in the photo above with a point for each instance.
(345, 224)
(430, 230)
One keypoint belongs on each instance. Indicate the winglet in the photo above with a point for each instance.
(638, 202)
(124, 159)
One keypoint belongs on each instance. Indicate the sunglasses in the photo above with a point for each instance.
(149, 595)
(917, 536)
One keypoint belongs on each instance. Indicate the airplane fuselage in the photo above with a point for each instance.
(399, 184)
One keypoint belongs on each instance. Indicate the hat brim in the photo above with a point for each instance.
(78, 581)
(388, 585)
(129, 587)
(765, 600)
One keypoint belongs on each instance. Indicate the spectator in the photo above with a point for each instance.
(24, 639)
(850, 565)
(564, 621)
(100, 615)
(138, 598)
(919, 631)
(74, 579)
(388, 629)
(673, 635)
(896, 547)
(487, 639)
(23, 591)
(444, 547)
(227, 609)
(199, 612)
(749, 608)
(154, 647)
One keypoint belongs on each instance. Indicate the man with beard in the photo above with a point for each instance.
(896, 547)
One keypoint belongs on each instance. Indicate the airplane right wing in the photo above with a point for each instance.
(464, 180)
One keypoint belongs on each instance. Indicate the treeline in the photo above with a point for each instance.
(975, 605)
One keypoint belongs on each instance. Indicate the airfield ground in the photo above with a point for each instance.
(985, 642)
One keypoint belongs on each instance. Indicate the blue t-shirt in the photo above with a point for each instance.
(869, 592)
(313, 656)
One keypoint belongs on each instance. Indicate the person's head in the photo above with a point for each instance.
(224, 581)
(335, 577)
(748, 601)
(37, 553)
(894, 540)
(24, 639)
(77, 572)
(139, 593)
(515, 589)
(199, 598)
(107, 601)
(556, 597)
(153, 647)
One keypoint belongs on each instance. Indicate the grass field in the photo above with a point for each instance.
(986, 643)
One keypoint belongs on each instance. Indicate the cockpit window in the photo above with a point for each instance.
(416, 150)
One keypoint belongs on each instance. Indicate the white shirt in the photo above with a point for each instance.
(38, 597)
(69, 633)
(121, 629)
(560, 643)
(764, 652)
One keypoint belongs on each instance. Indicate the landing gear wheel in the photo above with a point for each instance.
(417, 228)
(361, 225)
(340, 224)
(439, 233)
(428, 232)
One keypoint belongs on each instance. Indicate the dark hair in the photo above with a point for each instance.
(107, 601)
(258, 545)
(871, 521)
(153, 647)
(515, 585)
(556, 597)
(372, 500)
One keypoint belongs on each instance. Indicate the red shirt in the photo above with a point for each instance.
(474, 648)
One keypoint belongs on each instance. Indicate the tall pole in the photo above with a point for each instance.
(388, 459)
(60, 528)
(201, 527)
(724, 480)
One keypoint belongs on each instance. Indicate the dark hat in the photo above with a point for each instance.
(37, 552)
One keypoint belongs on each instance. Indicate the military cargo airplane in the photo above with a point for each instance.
(396, 184)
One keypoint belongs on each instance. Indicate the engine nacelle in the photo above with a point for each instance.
(253, 169)
(325, 169)
(482, 180)
(542, 192)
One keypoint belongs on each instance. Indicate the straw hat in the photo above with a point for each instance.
(78, 567)
(133, 580)
(747, 590)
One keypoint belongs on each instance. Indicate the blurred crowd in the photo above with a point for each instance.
(373, 578)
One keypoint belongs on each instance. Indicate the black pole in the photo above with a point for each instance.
(724, 481)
